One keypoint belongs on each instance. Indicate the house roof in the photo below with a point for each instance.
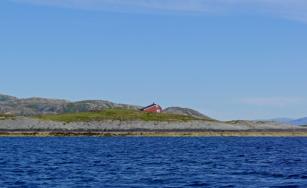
(153, 104)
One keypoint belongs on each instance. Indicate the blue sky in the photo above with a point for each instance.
(228, 59)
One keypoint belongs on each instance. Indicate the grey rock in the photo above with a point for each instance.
(187, 112)
(25, 123)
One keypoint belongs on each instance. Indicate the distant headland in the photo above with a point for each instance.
(43, 117)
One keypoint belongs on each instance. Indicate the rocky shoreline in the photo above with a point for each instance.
(25, 126)
(157, 133)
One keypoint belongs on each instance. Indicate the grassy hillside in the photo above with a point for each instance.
(115, 114)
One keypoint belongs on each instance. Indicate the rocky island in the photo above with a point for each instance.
(43, 117)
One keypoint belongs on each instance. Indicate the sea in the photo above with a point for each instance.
(153, 162)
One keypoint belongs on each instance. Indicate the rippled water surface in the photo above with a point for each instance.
(153, 162)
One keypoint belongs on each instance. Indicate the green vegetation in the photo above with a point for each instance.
(116, 114)
(6, 116)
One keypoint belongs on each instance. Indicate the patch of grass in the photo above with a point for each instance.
(116, 114)
(6, 116)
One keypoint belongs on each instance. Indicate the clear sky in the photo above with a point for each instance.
(228, 59)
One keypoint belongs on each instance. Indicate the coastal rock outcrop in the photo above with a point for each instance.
(25, 123)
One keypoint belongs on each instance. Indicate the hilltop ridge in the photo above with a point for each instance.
(38, 106)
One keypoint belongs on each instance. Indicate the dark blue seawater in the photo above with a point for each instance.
(153, 162)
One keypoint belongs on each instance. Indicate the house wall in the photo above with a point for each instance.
(153, 109)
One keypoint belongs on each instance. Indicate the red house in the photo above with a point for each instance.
(153, 108)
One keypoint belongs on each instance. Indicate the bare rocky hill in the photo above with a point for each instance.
(186, 111)
(36, 106)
